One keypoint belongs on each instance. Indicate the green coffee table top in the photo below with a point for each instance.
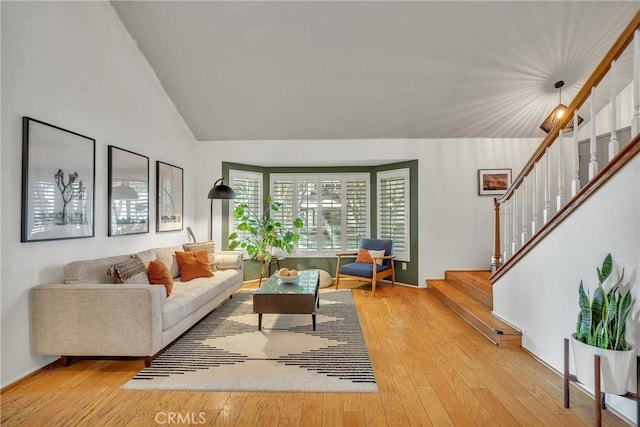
(305, 284)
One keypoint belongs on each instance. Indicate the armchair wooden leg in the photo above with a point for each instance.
(337, 273)
(393, 274)
(374, 281)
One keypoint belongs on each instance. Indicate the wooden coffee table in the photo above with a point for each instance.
(278, 297)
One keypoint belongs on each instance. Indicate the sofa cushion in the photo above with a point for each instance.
(159, 274)
(194, 264)
(92, 270)
(147, 256)
(187, 297)
(229, 259)
(168, 257)
(132, 271)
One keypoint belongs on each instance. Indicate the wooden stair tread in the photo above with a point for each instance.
(473, 306)
(475, 313)
(474, 283)
(478, 279)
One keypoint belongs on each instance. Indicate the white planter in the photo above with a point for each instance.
(617, 368)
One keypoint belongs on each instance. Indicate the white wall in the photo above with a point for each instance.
(540, 294)
(455, 224)
(72, 64)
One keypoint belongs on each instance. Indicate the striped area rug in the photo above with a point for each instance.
(226, 352)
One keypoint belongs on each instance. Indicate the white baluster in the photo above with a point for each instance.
(614, 145)
(560, 171)
(525, 234)
(514, 233)
(575, 183)
(546, 213)
(635, 120)
(505, 252)
(593, 148)
(534, 216)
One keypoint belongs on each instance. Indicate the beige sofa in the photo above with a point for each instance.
(90, 315)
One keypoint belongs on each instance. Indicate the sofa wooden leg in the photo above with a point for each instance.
(147, 361)
(64, 361)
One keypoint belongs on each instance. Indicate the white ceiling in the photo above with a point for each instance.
(266, 70)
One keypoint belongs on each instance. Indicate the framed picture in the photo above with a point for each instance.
(493, 182)
(128, 192)
(170, 206)
(58, 182)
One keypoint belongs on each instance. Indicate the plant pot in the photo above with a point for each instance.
(616, 367)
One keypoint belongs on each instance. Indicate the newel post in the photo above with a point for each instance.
(496, 259)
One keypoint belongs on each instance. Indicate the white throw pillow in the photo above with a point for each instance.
(375, 254)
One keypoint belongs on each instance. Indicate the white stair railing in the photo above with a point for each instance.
(525, 191)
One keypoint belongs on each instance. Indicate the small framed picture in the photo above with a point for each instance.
(128, 192)
(58, 182)
(493, 182)
(170, 206)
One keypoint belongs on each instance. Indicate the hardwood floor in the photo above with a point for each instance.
(432, 369)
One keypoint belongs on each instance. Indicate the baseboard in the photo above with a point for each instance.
(254, 283)
(56, 363)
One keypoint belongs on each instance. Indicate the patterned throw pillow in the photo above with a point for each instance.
(194, 264)
(132, 271)
(159, 274)
(209, 246)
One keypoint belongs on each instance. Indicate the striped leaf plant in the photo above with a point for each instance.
(602, 320)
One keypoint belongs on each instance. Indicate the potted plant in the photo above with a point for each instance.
(260, 233)
(601, 328)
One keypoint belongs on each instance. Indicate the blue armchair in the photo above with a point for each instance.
(379, 266)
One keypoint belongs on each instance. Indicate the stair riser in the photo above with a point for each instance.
(467, 285)
(491, 334)
(472, 291)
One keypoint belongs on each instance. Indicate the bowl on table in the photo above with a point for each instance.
(287, 276)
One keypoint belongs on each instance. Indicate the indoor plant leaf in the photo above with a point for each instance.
(607, 268)
(583, 328)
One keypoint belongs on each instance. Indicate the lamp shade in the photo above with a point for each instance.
(558, 113)
(221, 191)
(555, 115)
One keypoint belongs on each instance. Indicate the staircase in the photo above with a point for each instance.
(469, 294)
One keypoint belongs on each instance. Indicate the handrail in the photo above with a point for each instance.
(630, 32)
(583, 94)
(627, 154)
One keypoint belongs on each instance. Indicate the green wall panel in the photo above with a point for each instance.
(408, 276)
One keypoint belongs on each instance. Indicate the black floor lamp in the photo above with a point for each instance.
(220, 191)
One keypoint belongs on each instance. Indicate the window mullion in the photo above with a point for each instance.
(320, 218)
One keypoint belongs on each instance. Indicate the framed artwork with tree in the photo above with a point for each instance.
(58, 183)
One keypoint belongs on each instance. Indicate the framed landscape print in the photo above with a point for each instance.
(493, 182)
(58, 182)
(170, 206)
(128, 192)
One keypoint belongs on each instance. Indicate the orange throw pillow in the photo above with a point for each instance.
(364, 256)
(194, 264)
(159, 275)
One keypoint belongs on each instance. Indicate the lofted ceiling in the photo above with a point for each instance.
(270, 70)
